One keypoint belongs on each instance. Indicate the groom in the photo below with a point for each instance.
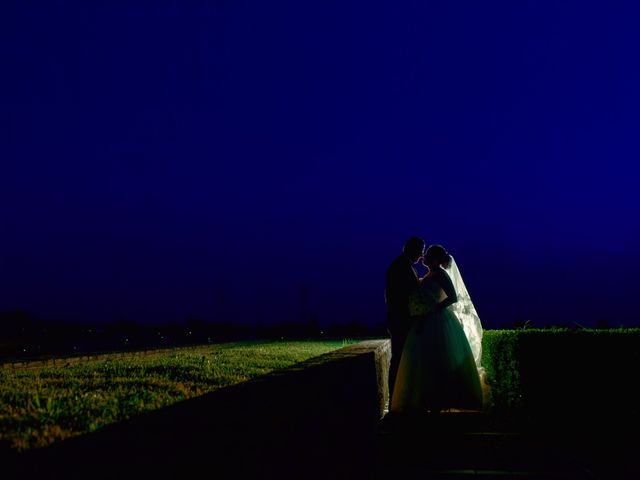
(402, 278)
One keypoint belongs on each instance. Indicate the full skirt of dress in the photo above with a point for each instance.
(437, 370)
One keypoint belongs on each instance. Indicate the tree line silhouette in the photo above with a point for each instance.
(22, 335)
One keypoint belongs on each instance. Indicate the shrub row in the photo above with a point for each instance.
(538, 371)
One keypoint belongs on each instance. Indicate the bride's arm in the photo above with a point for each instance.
(452, 297)
(447, 285)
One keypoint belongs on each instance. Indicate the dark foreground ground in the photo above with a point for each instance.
(468, 445)
(320, 420)
(449, 446)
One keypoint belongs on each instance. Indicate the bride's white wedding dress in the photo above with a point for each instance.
(438, 370)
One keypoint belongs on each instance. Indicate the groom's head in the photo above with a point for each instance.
(414, 248)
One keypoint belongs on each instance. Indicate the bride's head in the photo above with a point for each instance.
(436, 256)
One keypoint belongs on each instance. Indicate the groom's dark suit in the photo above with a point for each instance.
(401, 280)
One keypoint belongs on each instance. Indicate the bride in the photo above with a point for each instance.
(439, 364)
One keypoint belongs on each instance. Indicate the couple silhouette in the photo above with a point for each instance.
(435, 334)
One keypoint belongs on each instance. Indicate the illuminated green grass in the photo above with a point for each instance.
(39, 406)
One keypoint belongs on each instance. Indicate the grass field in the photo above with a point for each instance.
(39, 406)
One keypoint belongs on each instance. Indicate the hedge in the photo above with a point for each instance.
(563, 370)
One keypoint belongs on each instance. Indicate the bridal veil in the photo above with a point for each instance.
(466, 312)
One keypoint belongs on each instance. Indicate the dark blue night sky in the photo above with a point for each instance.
(229, 159)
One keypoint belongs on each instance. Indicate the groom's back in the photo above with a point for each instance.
(401, 280)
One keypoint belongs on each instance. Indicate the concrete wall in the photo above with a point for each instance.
(313, 420)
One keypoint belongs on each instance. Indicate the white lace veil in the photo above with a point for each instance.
(466, 312)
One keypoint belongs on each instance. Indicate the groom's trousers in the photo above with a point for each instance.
(398, 337)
